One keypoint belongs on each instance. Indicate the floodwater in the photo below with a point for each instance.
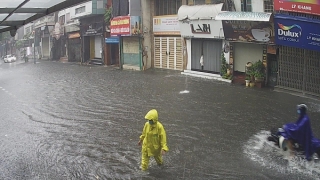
(66, 121)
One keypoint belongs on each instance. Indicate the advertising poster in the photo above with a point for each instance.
(248, 31)
(297, 33)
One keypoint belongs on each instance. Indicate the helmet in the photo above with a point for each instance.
(302, 108)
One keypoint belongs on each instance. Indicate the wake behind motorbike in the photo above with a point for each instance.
(283, 143)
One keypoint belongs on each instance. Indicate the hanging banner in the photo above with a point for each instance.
(303, 6)
(297, 32)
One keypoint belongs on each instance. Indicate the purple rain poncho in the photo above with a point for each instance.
(301, 133)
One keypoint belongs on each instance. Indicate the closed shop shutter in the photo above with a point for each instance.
(168, 53)
(299, 70)
(211, 51)
(212, 56)
(196, 52)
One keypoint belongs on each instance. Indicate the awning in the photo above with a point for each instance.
(244, 16)
(16, 13)
(199, 12)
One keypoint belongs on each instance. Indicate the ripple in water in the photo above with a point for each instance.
(260, 150)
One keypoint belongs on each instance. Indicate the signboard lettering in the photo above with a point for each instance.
(296, 33)
(248, 31)
(125, 26)
(168, 25)
(302, 6)
(200, 28)
(120, 26)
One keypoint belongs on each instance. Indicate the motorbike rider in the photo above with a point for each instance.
(300, 132)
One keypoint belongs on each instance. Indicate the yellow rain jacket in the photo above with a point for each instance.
(153, 136)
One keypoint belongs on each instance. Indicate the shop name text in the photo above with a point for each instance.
(200, 29)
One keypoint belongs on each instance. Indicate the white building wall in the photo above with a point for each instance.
(88, 10)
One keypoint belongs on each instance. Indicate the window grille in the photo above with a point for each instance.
(246, 6)
(80, 10)
(268, 6)
(167, 7)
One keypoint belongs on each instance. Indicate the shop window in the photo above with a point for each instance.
(62, 19)
(268, 6)
(100, 4)
(68, 18)
(167, 7)
(80, 10)
(246, 6)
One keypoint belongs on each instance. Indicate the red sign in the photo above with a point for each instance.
(303, 6)
(120, 25)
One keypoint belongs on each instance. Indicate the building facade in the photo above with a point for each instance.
(84, 28)
(297, 31)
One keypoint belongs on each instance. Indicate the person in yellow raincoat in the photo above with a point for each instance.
(153, 139)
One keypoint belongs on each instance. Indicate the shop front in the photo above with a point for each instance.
(204, 38)
(74, 46)
(168, 44)
(127, 28)
(45, 42)
(250, 36)
(298, 39)
(58, 42)
(92, 29)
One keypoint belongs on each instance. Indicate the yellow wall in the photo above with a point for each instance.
(92, 47)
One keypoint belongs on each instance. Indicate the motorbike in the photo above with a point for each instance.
(282, 143)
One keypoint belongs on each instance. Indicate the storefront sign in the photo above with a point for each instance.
(125, 26)
(297, 32)
(249, 31)
(166, 25)
(201, 29)
(120, 26)
(91, 28)
(112, 40)
(303, 6)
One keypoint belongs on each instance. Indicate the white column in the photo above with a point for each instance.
(189, 54)
(175, 53)
(160, 52)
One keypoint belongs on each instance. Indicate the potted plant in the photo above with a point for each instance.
(250, 72)
(224, 65)
(259, 70)
(259, 73)
(247, 80)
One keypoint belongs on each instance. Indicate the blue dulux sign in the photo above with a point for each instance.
(297, 32)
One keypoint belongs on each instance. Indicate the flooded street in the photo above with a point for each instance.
(66, 121)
